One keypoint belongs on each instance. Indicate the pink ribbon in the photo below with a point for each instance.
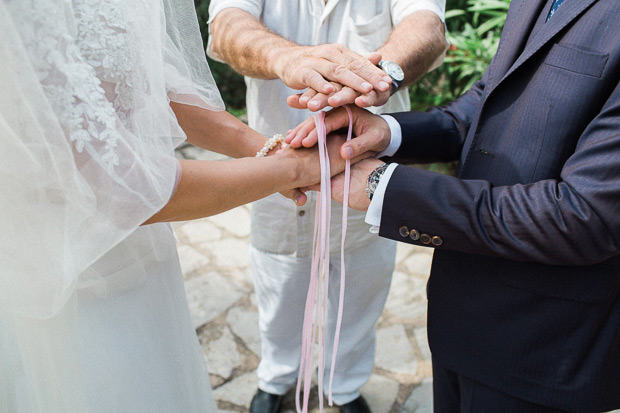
(315, 317)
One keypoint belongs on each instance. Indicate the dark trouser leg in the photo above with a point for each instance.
(455, 393)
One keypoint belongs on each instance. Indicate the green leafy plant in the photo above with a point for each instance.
(474, 30)
(229, 82)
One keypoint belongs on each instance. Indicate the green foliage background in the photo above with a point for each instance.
(474, 29)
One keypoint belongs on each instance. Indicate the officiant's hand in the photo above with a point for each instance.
(371, 133)
(332, 70)
(342, 95)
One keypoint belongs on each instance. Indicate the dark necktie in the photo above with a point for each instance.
(554, 7)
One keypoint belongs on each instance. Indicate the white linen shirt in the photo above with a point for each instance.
(361, 25)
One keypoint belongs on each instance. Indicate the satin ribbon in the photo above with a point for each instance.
(315, 317)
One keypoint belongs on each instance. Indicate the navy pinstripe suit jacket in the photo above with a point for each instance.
(524, 292)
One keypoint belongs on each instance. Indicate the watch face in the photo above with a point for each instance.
(393, 70)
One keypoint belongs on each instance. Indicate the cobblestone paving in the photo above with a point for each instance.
(215, 260)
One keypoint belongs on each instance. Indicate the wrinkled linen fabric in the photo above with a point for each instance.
(93, 315)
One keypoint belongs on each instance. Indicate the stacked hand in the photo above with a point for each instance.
(309, 166)
(371, 136)
(335, 76)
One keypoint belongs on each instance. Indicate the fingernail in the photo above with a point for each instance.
(383, 85)
(304, 99)
(366, 85)
(348, 152)
(328, 88)
(297, 199)
(387, 79)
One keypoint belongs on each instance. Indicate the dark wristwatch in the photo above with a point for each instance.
(373, 179)
(394, 71)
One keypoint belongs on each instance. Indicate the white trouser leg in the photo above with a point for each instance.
(281, 283)
(367, 282)
(281, 290)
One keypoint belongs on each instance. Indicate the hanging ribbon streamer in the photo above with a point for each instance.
(315, 317)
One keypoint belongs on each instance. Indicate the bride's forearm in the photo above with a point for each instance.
(210, 187)
(217, 131)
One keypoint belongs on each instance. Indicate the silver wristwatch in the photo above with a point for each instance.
(373, 179)
(394, 71)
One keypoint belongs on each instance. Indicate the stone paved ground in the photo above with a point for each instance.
(215, 260)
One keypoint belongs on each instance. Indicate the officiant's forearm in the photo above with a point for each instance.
(247, 45)
(253, 50)
(217, 131)
(416, 44)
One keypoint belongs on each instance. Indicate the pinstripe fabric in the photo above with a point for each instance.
(524, 292)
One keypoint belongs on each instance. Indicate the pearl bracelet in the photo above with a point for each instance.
(269, 145)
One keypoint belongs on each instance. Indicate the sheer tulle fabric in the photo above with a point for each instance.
(88, 136)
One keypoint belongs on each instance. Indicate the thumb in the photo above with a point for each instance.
(297, 195)
(300, 198)
(359, 147)
(374, 57)
(293, 101)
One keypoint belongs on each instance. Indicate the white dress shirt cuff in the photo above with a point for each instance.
(396, 137)
(373, 214)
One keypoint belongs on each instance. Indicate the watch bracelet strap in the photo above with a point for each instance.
(379, 170)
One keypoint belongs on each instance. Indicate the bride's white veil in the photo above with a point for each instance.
(87, 137)
(187, 53)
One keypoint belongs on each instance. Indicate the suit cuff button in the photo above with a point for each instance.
(414, 234)
(403, 231)
(425, 239)
(436, 241)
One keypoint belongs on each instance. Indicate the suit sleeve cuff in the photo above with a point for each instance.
(396, 137)
(373, 214)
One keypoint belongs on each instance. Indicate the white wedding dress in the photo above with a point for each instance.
(93, 315)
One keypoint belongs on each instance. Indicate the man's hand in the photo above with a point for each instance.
(332, 71)
(371, 133)
(342, 95)
(357, 191)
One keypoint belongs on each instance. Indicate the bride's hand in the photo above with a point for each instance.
(307, 166)
(297, 195)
